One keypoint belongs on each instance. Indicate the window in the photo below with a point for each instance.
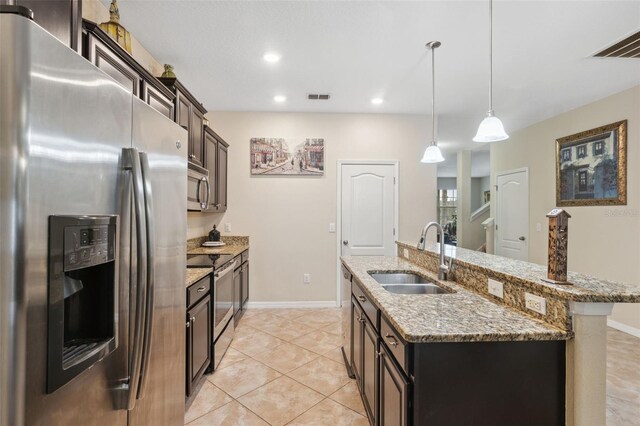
(448, 212)
(581, 151)
(598, 148)
(566, 154)
(582, 180)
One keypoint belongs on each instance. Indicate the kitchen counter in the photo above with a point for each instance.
(584, 288)
(462, 316)
(234, 245)
(196, 274)
(231, 249)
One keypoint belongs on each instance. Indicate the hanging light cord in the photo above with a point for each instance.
(490, 55)
(433, 97)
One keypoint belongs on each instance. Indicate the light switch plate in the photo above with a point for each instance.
(538, 227)
(227, 227)
(306, 279)
(535, 303)
(496, 288)
(332, 227)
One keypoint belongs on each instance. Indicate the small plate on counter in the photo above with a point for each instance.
(213, 244)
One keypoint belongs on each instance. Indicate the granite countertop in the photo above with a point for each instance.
(584, 288)
(462, 316)
(232, 249)
(234, 245)
(195, 274)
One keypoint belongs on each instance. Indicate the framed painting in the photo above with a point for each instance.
(277, 156)
(591, 167)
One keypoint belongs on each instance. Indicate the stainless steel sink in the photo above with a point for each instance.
(407, 283)
(399, 278)
(414, 289)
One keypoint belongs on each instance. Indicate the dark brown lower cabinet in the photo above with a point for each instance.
(393, 392)
(370, 370)
(356, 341)
(199, 336)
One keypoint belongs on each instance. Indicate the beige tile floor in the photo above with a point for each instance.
(285, 367)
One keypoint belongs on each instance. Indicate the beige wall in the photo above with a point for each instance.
(287, 218)
(95, 11)
(603, 241)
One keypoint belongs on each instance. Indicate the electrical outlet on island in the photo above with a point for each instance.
(535, 303)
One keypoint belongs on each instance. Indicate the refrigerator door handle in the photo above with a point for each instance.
(148, 327)
(131, 161)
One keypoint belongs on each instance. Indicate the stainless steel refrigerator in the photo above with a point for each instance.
(93, 229)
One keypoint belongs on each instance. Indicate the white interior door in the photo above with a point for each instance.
(368, 209)
(512, 214)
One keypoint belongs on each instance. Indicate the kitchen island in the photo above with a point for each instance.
(450, 358)
(466, 356)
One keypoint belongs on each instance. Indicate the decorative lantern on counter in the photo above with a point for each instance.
(115, 30)
(558, 244)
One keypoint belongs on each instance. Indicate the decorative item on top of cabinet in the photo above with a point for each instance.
(103, 52)
(115, 30)
(215, 160)
(168, 71)
(189, 113)
(62, 18)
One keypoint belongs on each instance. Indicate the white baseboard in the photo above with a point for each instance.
(624, 327)
(301, 304)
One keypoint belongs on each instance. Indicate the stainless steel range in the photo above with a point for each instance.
(223, 300)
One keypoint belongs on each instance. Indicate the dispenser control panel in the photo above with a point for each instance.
(87, 246)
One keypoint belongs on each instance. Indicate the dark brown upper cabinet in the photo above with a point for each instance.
(110, 57)
(62, 18)
(189, 113)
(216, 162)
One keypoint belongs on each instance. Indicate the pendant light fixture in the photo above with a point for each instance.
(491, 128)
(432, 154)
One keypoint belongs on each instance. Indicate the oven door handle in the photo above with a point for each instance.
(226, 270)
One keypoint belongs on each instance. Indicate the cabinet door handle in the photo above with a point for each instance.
(193, 319)
(192, 156)
(391, 340)
(188, 324)
(201, 289)
(362, 299)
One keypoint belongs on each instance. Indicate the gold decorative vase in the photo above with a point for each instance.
(115, 30)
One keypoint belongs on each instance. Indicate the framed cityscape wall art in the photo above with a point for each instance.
(277, 156)
(591, 167)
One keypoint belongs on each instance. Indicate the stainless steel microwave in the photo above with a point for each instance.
(198, 188)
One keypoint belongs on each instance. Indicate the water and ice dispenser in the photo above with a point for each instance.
(83, 296)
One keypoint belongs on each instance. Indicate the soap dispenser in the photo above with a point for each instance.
(214, 234)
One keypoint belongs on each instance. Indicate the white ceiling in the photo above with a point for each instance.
(359, 50)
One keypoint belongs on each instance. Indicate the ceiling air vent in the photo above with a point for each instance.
(318, 97)
(627, 48)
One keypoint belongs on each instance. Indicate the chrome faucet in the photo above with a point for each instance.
(444, 268)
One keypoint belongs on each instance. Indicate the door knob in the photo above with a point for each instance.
(345, 242)
(522, 238)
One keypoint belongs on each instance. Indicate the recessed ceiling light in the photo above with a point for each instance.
(376, 101)
(271, 57)
(279, 98)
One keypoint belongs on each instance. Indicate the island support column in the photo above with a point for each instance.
(587, 364)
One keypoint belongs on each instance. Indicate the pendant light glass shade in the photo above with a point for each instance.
(432, 155)
(490, 130)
